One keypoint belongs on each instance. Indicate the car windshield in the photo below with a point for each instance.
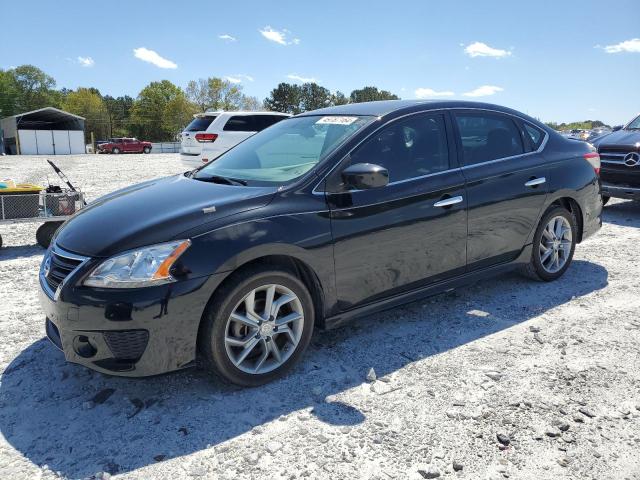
(635, 124)
(283, 152)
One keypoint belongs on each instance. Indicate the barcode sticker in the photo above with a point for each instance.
(336, 120)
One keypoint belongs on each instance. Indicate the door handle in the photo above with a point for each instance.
(447, 202)
(534, 182)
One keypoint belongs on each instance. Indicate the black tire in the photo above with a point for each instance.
(214, 327)
(115, 150)
(146, 150)
(605, 200)
(534, 269)
(45, 233)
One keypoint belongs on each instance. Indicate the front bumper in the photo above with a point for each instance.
(621, 191)
(127, 332)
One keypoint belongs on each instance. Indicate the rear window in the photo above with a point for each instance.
(241, 123)
(199, 124)
(264, 121)
(488, 136)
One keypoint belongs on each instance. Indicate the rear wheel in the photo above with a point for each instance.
(45, 233)
(257, 326)
(605, 200)
(115, 150)
(553, 245)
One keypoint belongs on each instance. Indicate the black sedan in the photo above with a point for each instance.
(323, 217)
(620, 155)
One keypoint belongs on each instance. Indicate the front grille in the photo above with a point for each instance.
(620, 174)
(60, 266)
(127, 344)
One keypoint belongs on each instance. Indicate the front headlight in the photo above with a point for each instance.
(140, 268)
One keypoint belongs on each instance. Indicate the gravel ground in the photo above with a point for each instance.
(508, 378)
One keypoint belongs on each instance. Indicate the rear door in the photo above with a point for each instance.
(188, 143)
(409, 233)
(506, 184)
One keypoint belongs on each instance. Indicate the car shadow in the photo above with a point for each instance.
(20, 251)
(623, 213)
(79, 422)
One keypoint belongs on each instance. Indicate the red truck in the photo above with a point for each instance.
(124, 145)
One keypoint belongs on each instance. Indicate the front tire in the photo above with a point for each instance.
(115, 151)
(257, 326)
(553, 245)
(146, 150)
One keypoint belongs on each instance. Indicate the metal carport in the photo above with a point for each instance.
(46, 131)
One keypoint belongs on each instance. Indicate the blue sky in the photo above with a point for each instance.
(556, 60)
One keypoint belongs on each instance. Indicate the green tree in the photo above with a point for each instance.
(8, 94)
(339, 98)
(370, 94)
(119, 111)
(34, 89)
(313, 96)
(285, 98)
(215, 93)
(160, 111)
(88, 103)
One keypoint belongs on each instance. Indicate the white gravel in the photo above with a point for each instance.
(555, 368)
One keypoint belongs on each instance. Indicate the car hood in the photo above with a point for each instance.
(154, 212)
(619, 139)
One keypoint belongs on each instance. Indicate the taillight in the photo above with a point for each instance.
(206, 137)
(594, 159)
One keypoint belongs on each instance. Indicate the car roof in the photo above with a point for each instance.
(239, 112)
(386, 107)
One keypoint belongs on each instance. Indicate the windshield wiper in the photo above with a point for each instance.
(221, 179)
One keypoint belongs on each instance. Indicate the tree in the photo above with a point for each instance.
(216, 93)
(313, 96)
(8, 94)
(370, 94)
(285, 98)
(88, 103)
(119, 111)
(160, 111)
(34, 89)
(339, 98)
(251, 104)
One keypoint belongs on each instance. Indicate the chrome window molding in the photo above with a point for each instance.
(543, 144)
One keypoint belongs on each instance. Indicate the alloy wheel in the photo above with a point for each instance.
(264, 329)
(555, 244)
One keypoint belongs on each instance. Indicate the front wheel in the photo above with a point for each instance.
(115, 151)
(146, 150)
(553, 245)
(257, 326)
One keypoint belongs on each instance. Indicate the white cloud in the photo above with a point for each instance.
(299, 78)
(227, 38)
(483, 91)
(239, 78)
(479, 49)
(632, 45)
(279, 36)
(86, 61)
(431, 93)
(151, 56)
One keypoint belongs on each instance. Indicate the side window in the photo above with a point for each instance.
(488, 136)
(264, 121)
(408, 148)
(240, 123)
(535, 134)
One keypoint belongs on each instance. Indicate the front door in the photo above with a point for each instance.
(409, 233)
(506, 184)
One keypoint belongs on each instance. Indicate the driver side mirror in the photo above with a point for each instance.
(617, 127)
(363, 176)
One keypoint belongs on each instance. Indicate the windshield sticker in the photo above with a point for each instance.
(336, 120)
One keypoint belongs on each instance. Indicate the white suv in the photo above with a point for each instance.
(210, 134)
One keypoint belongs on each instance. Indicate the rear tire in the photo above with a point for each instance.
(605, 200)
(245, 342)
(553, 246)
(45, 233)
